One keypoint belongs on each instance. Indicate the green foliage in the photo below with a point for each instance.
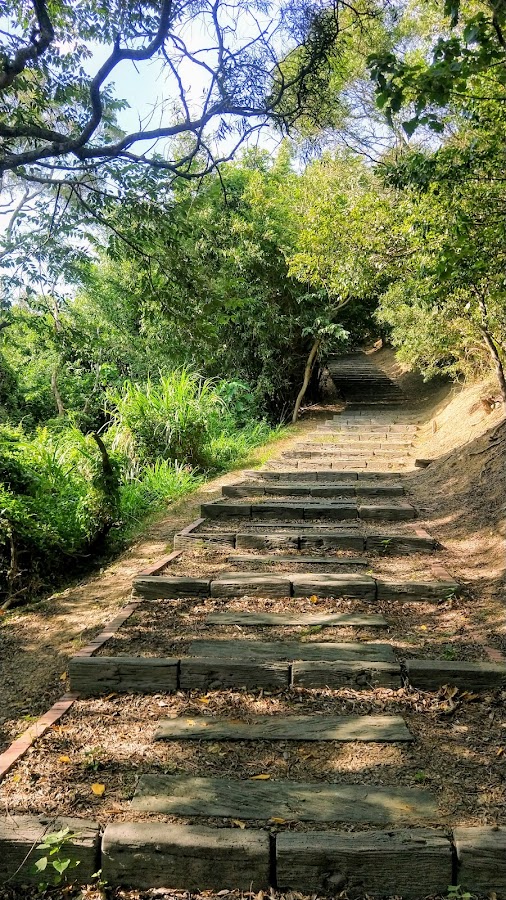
(169, 420)
(66, 497)
(464, 68)
(56, 504)
(115, 307)
(455, 892)
(55, 864)
(145, 494)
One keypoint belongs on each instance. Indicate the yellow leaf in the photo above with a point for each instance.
(16, 778)
(262, 777)
(204, 700)
(313, 599)
(239, 824)
(500, 751)
(277, 821)
(64, 759)
(98, 789)
(63, 676)
(423, 628)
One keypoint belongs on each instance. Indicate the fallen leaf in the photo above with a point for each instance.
(262, 777)
(98, 789)
(500, 751)
(16, 778)
(239, 824)
(277, 821)
(63, 676)
(204, 700)
(423, 628)
(64, 759)
(109, 696)
(313, 599)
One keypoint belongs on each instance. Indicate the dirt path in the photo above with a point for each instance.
(36, 641)
(455, 761)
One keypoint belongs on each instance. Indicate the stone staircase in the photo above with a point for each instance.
(304, 527)
(360, 382)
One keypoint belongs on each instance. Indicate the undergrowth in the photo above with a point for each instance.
(67, 499)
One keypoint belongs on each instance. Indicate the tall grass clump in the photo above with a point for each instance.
(148, 492)
(187, 420)
(170, 419)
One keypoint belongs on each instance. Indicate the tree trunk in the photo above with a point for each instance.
(307, 375)
(492, 348)
(56, 392)
(496, 361)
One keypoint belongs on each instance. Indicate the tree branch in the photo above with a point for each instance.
(40, 40)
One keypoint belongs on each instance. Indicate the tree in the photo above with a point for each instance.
(448, 310)
(464, 69)
(56, 118)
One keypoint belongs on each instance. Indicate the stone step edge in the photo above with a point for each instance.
(303, 489)
(190, 537)
(166, 587)
(360, 508)
(147, 855)
(343, 465)
(97, 675)
(321, 475)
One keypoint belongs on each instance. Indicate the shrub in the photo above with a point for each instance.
(56, 503)
(170, 419)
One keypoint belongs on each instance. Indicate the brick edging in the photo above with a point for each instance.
(19, 746)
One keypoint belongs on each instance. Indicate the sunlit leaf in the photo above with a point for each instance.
(98, 789)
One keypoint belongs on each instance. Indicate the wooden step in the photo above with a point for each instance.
(151, 855)
(356, 675)
(183, 795)
(98, 675)
(311, 489)
(300, 560)
(293, 584)
(330, 651)
(481, 859)
(292, 620)
(377, 729)
(410, 864)
(342, 454)
(354, 442)
(278, 472)
(325, 475)
(360, 587)
(331, 510)
(416, 589)
(276, 509)
(213, 673)
(21, 834)
(307, 539)
(352, 427)
(325, 463)
(398, 512)
(432, 674)
(92, 676)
